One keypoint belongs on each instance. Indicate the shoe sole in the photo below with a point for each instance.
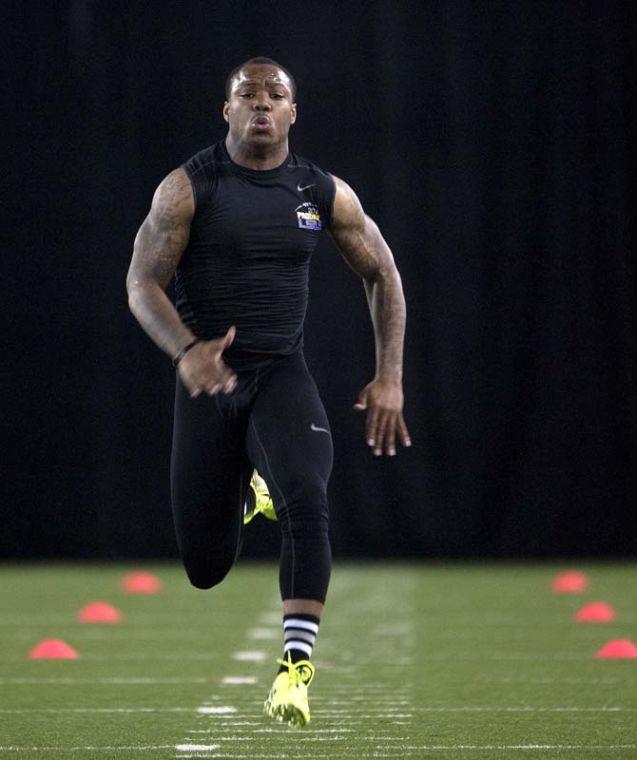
(287, 714)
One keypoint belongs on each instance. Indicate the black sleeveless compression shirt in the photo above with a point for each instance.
(247, 261)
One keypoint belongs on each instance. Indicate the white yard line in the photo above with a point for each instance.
(371, 711)
(238, 680)
(359, 714)
(111, 748)
(623, 680)
(391, 739)
(261, 730)
(359, 698)
(335, 718)
(296, 738)
(242, 722)
(286, 756)
(102, 681)
(467, 657)
(271, 618)
(305, 730)
(18, 711)
(265, 634)
(249, 656)
(196, 747)
(482, 747)
(525, 709)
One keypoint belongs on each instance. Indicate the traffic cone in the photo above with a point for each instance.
(570, 582)
(595, 612)
(99, 612)
(141, 583)
(618, 649)
(53, 649)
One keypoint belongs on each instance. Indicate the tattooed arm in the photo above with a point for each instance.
(363, 248)
(159, 244)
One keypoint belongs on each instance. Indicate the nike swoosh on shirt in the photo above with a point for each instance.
(305, 187)
(318, 429)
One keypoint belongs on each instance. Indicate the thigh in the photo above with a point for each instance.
(289, 436)
(210, 473)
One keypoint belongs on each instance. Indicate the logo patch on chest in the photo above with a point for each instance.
(308, 216)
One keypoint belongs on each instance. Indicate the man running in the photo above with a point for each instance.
(237, 225)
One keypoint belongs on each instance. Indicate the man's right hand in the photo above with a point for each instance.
(202, 369)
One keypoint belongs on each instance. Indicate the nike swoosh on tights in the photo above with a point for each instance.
(318, 429)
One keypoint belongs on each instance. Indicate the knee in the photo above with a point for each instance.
(305, 510)
(308, 496)
(207, 575)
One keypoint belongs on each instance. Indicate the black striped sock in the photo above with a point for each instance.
(299, 636)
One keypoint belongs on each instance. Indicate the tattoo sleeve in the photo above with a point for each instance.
(364, 249)
(159, 244)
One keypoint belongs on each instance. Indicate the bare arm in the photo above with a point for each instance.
(159, 245)
(364, 249)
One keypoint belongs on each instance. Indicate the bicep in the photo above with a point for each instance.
(164, 235)
(356, 235)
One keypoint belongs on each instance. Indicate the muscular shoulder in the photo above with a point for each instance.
(164, 234)
(348, 211)
(202, 169)
(173, 202)
(206, 159)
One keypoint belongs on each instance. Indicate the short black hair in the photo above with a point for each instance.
(259, 59)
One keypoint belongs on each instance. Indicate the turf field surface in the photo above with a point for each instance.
(423, 660)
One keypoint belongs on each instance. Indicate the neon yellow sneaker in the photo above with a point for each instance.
(259, 500)
(287, 700)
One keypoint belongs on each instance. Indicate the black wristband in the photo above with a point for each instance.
(184, 351)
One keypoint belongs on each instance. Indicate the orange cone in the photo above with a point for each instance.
(141, 583)
(619, 649)
(53, 649)
(570, 582)
(595, 612)
(99, 612)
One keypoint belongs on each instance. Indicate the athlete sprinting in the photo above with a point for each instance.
(237, 225)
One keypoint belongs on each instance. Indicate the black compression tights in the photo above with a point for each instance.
(273, 421)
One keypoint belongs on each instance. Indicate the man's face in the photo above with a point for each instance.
(260, 108)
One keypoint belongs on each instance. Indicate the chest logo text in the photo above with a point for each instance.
(308, 217)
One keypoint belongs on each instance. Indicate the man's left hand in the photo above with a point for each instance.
(383, 400)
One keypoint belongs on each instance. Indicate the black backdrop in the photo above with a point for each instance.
(490, 141)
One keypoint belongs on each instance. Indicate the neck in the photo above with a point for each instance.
(260, 157)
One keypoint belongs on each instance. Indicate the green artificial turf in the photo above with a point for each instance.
(413, 660)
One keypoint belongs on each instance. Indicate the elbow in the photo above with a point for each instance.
(135, 293)
(381, 275)
(131, 301)
(141, 293)
(131, 293)
(385, 283)
(133, 304)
